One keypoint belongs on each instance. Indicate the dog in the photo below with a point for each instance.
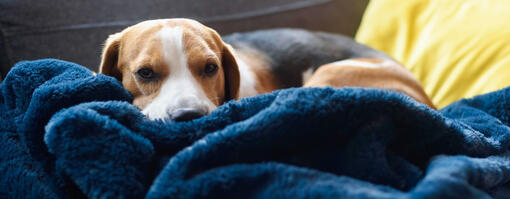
(180, 69)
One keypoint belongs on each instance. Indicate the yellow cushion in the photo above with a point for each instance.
(456, 48)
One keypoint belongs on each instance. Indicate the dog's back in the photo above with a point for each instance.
(290, 53)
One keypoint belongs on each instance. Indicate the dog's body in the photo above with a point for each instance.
(369, 73)
(181, 69)
(289, 55)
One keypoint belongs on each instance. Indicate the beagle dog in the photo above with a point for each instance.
(181, 70)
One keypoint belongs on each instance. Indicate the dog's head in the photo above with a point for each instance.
(175, 68)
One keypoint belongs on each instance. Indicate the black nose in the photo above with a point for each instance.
(187, 114)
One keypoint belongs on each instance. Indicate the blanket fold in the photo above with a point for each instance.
(66, 133)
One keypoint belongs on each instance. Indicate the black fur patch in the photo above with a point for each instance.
(293, 51)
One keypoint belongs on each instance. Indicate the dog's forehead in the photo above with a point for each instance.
(191, 28)
(197, 35)
(143, 42)
(194, 34)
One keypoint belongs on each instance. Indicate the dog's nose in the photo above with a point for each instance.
(187, 114)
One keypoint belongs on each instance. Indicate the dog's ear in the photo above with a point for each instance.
(231, 73)
(110, 57)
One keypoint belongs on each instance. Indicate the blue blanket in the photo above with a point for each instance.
(66, 133)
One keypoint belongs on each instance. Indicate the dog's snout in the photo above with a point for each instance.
(187, 114)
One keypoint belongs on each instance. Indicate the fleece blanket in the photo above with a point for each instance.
(67, 133)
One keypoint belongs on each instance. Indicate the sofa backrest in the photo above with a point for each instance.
(75, 30)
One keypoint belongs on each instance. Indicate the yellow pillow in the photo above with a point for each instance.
(456, 48)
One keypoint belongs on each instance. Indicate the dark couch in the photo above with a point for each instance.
(76, 30)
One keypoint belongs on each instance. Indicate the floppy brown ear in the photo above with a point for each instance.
(231, 73)
(110, 57)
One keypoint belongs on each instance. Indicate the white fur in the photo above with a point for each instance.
(179, 89)
(307, 74)
(364, 64)
(247, 78)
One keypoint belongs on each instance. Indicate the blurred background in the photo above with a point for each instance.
(76, 30)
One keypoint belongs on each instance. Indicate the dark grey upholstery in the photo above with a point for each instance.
(76, 30)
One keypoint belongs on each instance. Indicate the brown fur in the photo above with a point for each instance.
(393, 77)
(139, 46)
(258, 63)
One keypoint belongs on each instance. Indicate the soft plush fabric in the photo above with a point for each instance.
(456, 48)
(65, 133)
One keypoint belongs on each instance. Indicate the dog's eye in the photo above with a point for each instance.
(145, 73)
(210, 69)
